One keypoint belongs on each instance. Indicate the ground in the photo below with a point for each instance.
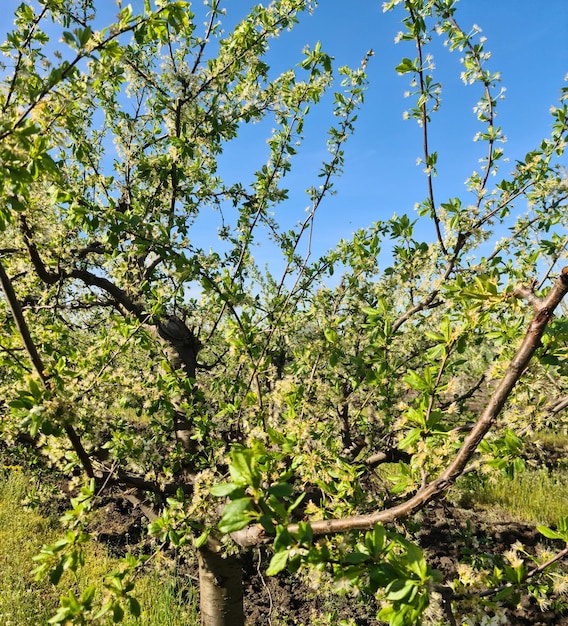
(446, 533)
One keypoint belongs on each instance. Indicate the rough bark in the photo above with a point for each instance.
(184, 345)
(181, 347)
(220, 576)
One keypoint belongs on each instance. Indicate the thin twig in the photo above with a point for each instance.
(270, 603)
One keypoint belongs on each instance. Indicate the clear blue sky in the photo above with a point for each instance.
(529, 42)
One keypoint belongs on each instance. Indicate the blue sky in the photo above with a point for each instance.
(529, 44)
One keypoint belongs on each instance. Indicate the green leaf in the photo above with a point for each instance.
(505, 593)
(416, 562)
(550, 534)
(406, 65)
(117, 613)
(278, 562)
(414, 380)
(237, 515)
(275, 436)
(330, 335)
(375, 540)
(398, 590)
(281, 490)
(156, 527)
(411, 438)
(202, 539)
(83, 35)
(305, 533)
(35, 389)
(61, 616)
(354, 558)
(370, 312)
(134, 606)
(244, 468)
(88, 595)
(296, 502)
(56, 573)
(225, 489)
(283, 539)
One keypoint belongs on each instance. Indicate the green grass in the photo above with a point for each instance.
(536, 496)
(22, 533)
(25, 602)
(552, 439)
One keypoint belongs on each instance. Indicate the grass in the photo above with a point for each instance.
(553, 439)
(534, 496)
(25, 602)
(21, 535)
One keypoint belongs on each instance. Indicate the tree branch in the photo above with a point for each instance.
(21, 325)
(448, 595)
(424, 122)
(37, 362)
(457, 466)
(110, 288)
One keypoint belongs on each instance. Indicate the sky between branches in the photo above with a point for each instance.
(529, 44)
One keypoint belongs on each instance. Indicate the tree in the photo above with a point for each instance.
(236, 407)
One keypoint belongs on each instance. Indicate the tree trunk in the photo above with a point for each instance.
(220, 578)
(220, 589)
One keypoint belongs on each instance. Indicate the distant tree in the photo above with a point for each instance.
(235, 406)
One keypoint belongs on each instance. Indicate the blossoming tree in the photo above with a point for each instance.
(235, 407)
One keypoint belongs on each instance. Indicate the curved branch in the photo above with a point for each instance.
(46, 276)
(88, 278)
(487, 419)
(21, 325)
(119, 295)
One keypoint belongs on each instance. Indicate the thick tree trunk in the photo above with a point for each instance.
(220, 578)
(220, 589)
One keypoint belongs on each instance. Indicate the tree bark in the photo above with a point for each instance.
(220, 588)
